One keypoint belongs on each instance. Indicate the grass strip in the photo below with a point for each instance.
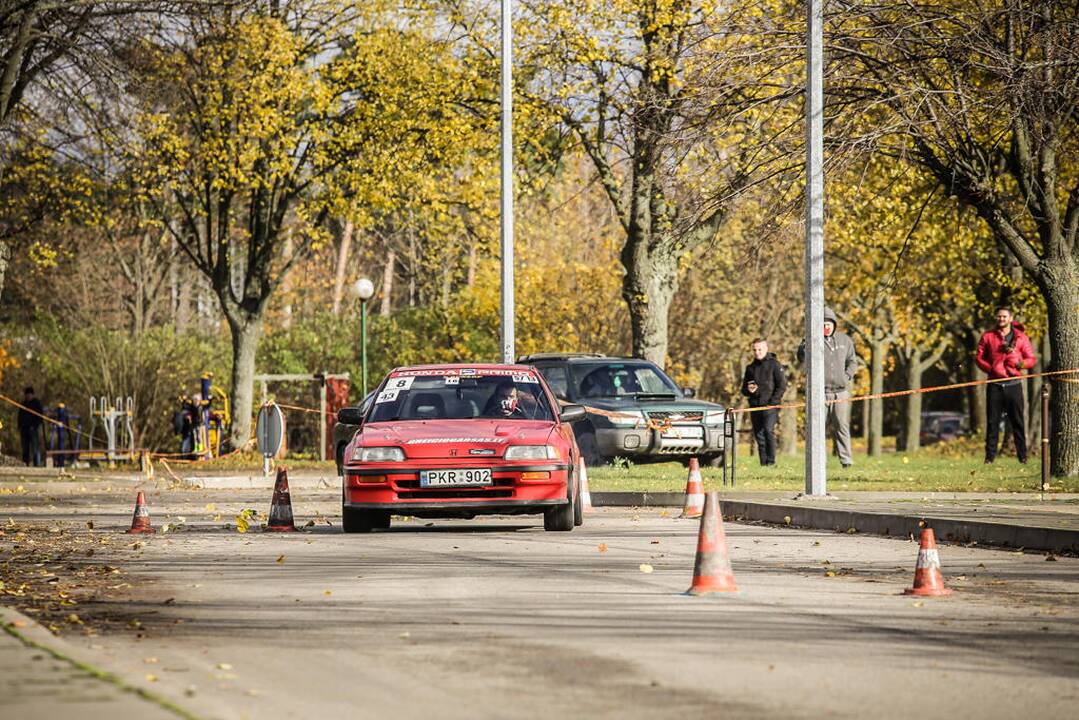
(103, 675)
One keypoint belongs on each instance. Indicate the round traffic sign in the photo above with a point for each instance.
(270, 430)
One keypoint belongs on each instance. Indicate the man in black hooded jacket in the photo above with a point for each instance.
(764, 383)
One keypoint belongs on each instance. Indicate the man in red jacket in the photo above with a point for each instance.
(1004, 352)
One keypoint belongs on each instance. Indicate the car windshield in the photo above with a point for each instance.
(618, 379)
(453, 396)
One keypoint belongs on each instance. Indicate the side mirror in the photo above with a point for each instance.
(572, 413)
(689, 392)
(350, 416)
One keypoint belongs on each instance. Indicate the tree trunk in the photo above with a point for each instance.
(913, 425)
(878, 351)
(5, 255)
(1060, 286)
(246, 331)
(386, 305)
(343, 251)
(977, 401)
(648, 288)
(286, 286)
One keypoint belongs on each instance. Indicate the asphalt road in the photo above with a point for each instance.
(494, 618)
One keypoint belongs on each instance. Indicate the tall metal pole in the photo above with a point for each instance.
(815, 468)
(363, 346)
(508, 354)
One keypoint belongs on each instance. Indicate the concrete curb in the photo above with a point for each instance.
(1030, 537)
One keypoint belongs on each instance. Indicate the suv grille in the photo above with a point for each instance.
(676, 417)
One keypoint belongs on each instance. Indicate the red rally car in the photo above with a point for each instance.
(460, 441)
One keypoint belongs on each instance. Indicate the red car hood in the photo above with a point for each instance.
(435, 438)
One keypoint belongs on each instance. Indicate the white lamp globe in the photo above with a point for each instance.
(364, 289)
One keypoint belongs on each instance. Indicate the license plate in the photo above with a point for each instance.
(463, 476)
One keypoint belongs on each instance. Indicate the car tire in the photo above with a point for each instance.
(561, 518)
(382, 519)
(357, 520)
(339, 457)
(590, 449)
(714, 460)
(578, 511)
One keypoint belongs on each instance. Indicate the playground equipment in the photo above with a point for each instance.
(116, 419)
(214, 419)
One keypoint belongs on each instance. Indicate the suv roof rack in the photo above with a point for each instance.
(557, 356)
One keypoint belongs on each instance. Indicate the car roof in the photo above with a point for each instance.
(459, 366)
(578, 357)
(557, 356)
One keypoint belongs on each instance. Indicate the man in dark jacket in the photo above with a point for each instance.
(764, 383)
(1004, 352)
(840, 365)
(30, 422)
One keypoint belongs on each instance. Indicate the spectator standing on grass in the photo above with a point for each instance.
(30, 422)
(1004, 352)
(764, 383)
(840, 364)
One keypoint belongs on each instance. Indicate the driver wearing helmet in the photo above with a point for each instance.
(505, 402)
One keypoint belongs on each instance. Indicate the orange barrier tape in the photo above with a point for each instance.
(46, 418)
(919, 391)
(297, 407)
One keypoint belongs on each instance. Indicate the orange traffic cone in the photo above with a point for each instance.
(140, 522)
(694, 491)
(712, 571)
(281, 505)
(586, 497)
(927, 578)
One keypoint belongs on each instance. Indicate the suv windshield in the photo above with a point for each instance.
(461, 397)
(621, 378)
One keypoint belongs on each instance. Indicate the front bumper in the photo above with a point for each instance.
(679, 440)
(398, 489)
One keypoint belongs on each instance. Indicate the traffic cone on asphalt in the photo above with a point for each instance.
(712, 571)
(140, 522)
(586, 497)
(281, 505)
(928, 580)
(694, 491)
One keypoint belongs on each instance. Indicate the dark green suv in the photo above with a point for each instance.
(634, 409)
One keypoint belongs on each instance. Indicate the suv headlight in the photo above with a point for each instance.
(531, 452)
(378, 454)
(714, 417)
(627, 418)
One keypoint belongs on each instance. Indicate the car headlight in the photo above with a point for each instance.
(378, 454)
(627, 418)
(714, 417)
(531, 452)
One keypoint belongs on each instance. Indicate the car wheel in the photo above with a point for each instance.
(382, 519)
(578, 511)
(561, 518)
(590, 449)
(357, 520)
(714, 460)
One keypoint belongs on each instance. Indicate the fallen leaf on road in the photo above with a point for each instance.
(149, 660)
(90, 524)
(602, 547)
(224, 666)
(830, 573)
(655, 542)
(646, 568)
(280, 559)
(917, 603)
(787, 519)
(74, 619)
(327, 592)
(1050, 558)
(210, 507)
(150, 677)
(405, 635)
(309, 523)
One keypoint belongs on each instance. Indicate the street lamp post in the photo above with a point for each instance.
(364, 290)
(507, 295)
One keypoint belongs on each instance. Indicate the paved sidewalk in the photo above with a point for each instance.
(1048, 522)
(36, 685)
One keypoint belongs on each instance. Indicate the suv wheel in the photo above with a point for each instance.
(590, 449)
